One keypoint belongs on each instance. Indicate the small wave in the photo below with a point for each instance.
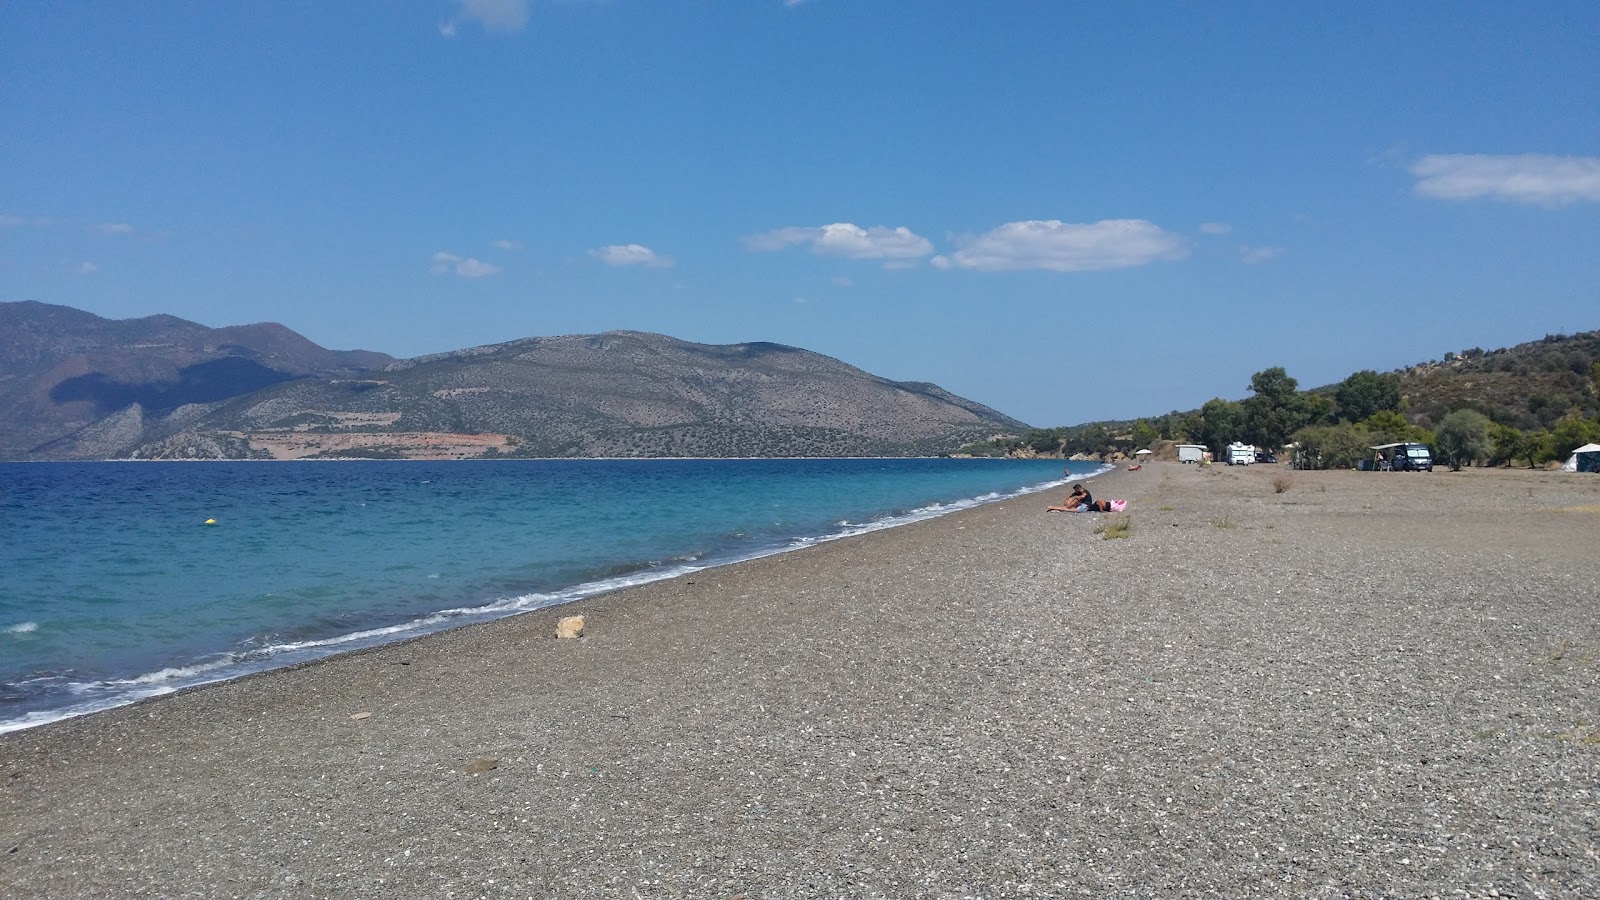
(272, 652)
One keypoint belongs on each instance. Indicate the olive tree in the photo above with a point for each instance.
(1332, 446)
(1462, 437)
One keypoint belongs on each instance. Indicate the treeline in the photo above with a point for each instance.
(1335, 427)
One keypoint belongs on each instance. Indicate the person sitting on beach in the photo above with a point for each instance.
(1080, 500)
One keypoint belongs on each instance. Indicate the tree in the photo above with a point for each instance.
(1366, 393)
(1221, 423)
(1332, 446)
(1277, 410)
(1144, 434)
(1572, 432)
(1462, 437)
(1508, 444)
(1387, 425)
(1189, 428)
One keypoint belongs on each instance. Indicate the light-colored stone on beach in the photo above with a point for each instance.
(570, 627)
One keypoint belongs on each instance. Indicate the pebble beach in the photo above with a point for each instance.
(1254, 683)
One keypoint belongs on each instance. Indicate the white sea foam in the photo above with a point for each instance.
(107, 694)
(20, 628)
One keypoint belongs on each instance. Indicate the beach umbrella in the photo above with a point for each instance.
(1141, 453)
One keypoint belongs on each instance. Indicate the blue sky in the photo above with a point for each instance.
(1067, 211)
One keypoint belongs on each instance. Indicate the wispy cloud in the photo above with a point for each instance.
(506, 245)
(1530, 178)
(1215, 228)
(1058, 246)
(1256, 255)
(631, 255)
(444, 263)
(895, 246)
(87, 268)
(503, 16)
(9, 220)
(114, 228)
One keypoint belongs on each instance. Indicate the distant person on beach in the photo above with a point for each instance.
(1080, 500)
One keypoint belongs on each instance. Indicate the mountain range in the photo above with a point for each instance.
(74, 385)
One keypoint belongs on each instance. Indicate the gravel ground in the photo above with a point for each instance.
(1368, 685)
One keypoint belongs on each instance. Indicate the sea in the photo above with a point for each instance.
(125, 580)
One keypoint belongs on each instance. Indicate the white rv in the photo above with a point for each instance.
(1241, 454)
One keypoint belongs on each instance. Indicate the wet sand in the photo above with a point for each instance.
(1369, 685)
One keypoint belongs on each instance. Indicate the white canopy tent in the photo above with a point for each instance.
(1583, 459)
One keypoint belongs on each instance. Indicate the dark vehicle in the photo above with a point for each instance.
(1415, 458)
(1404, 457)
(1266, 456)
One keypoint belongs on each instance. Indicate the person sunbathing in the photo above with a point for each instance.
(1080, 500)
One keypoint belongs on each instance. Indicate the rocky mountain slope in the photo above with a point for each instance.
(73, 386)
(63, 370)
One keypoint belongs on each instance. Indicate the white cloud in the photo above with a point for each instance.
(1254, 255)
(1531, 178)
(506, 245)
(87, 268)
(631, 255)
(114, 228)
(1058, 246)
(12, 221)
(1215, 228)
(896, 245)
(472, 268)
(493, 15)
(843, 281)
(448, 263)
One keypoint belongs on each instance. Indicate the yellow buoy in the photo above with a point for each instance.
(211, 521)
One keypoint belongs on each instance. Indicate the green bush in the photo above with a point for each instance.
(1463, 437)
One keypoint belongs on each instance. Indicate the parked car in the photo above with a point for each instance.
(1266, 456)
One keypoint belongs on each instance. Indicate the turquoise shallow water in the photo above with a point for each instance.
(112, 587)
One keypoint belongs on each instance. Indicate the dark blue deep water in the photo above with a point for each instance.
(112, 587)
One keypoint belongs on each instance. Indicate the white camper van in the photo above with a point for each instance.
(1241, 454)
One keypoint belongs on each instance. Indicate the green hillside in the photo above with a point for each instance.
(1529, 405)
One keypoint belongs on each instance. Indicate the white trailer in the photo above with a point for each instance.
(1191, 453)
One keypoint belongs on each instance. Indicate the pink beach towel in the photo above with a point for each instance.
(1119, 505)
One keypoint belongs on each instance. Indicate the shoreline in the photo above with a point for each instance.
(210, 670)
(1256, 693)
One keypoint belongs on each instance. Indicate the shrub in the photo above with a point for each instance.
(1281, 484)
(1117, 528)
